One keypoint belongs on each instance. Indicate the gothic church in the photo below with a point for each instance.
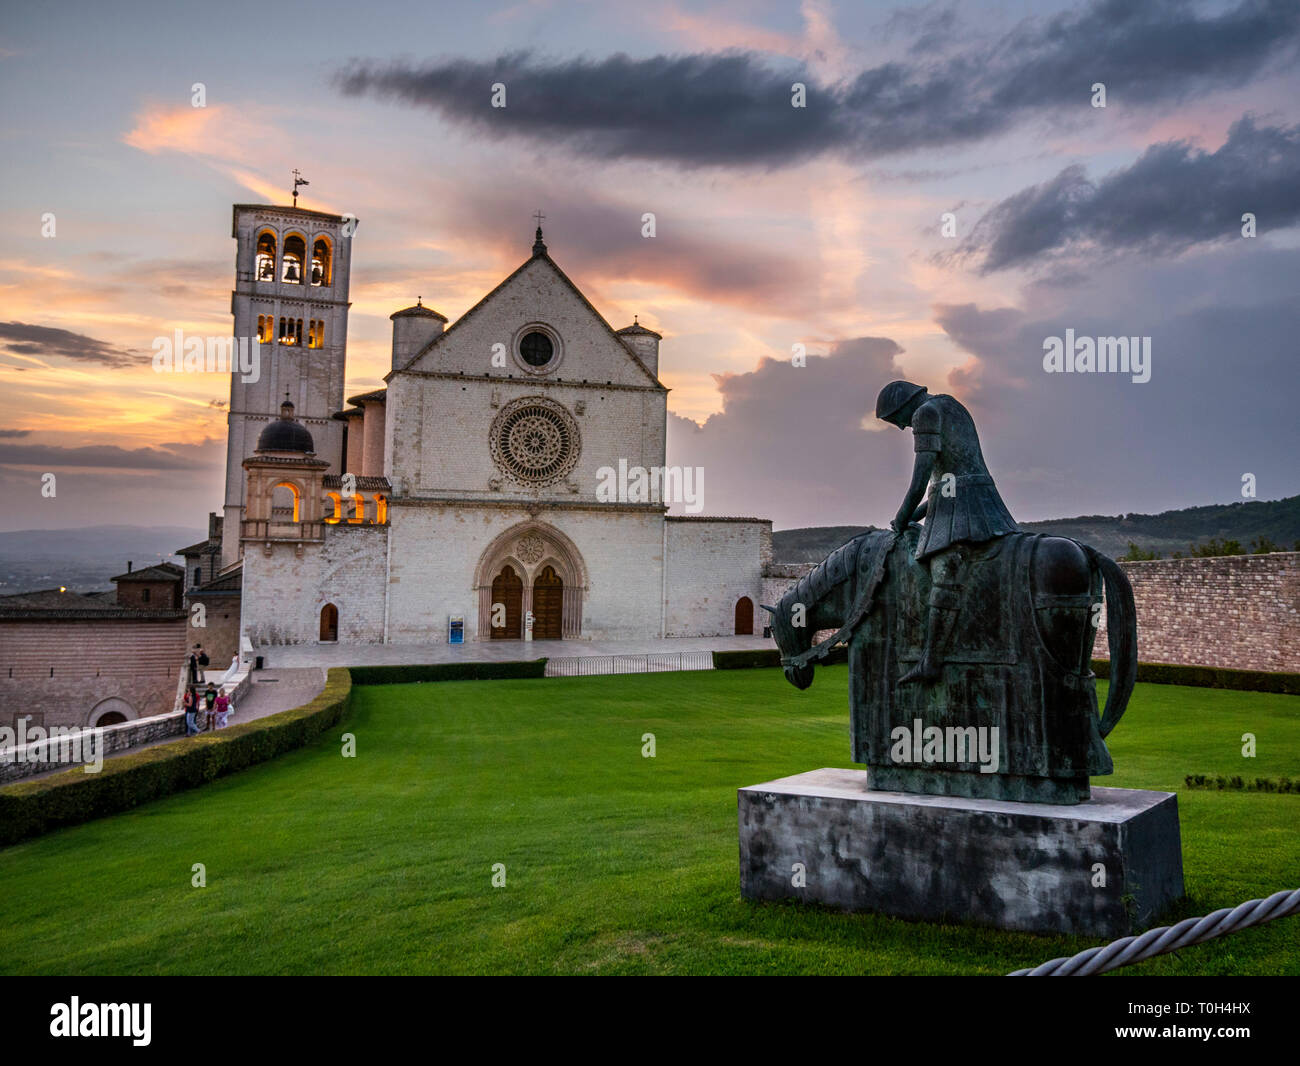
(461, 500)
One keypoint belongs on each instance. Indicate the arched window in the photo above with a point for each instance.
(315, 333)
(358, 509)
(284, 497)
(337, 516)
(329, 622)
(295, 251)
(320, 262)
(265, 328)
(290, 330)
(381, 510)
(265, 269)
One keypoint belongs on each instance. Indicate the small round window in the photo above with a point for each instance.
(536, 348)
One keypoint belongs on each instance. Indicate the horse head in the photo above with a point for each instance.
(791, 640)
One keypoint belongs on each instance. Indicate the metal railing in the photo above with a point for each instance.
(651, 663)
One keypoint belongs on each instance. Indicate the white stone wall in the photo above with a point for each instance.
(439, 418)
(711, 565)
(437, 549)
(284, 592)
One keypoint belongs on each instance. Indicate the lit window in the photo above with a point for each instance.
(295, 250)
(320, 262)
(290, 330)
(266, 257)
(284, 501)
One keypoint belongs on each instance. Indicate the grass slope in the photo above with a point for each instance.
(615, 863)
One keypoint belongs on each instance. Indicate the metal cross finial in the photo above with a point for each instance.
(539, 216)
(297, 180)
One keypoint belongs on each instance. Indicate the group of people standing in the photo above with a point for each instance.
(208, 708)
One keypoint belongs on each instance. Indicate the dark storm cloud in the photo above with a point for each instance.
(790, 441)
(1172, 197)
(1222, 329)
(45, 342)
(598, 239)
(107, 456)
(13, 434)
(735, 108)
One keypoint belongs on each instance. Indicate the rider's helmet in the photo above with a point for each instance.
(895, 396)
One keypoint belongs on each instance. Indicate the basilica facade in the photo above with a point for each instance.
(508, 482)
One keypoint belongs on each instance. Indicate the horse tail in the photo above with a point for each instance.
(1121, 636)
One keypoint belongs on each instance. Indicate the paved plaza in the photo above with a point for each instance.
(326, 655)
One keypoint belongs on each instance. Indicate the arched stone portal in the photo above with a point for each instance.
(744, 617)
(110, 711)
(552, 583)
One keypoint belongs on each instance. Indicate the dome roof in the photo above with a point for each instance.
(286, 434)
(636, 329)
(418, 311)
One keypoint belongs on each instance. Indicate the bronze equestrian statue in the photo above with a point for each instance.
(969, 641)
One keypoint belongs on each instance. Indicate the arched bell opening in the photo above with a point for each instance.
(320, 261)
(295, 253)
(264, 267)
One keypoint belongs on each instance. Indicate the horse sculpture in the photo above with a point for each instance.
(1013, 713)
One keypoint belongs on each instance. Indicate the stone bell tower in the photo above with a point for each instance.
(291, 295)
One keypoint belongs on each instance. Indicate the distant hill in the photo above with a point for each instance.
(1164, 534)
(85, 559)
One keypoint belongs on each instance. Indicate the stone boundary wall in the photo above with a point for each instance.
(18, 763)
(1240, 612)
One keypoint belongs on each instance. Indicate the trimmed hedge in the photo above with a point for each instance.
(744, 660)
(405, 675)
(30, 808)
(1153, 673)
(1209, 677)
(1258, 784)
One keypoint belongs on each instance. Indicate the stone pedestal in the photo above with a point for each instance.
(1023, 866)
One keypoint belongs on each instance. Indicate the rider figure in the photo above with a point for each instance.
(962, 506)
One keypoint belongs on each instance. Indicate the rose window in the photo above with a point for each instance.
(535, 441)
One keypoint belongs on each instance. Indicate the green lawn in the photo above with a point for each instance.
(615, 863)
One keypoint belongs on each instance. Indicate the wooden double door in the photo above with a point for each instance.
(546, 602)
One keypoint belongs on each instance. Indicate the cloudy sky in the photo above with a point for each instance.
(777, 226)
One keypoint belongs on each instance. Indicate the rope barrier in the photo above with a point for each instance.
(1168, 938)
